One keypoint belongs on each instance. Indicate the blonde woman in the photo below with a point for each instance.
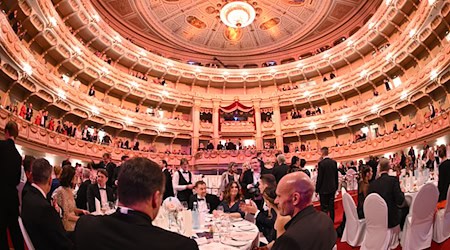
(229, 176)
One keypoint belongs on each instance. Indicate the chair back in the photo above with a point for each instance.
(424, 205)
(377, 233)
(349, 208)
(25, 235)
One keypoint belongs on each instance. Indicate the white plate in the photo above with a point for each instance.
(246, 228)
(241, 223)
(243, 236)
(234, 243)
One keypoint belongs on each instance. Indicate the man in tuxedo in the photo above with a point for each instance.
(81, 200)
(308, 228)
(182, 181)
(168, 190)
(327, 182)
(388, 187)
(100, 191)
(373, 164)
(29, 112)
(11, 172)
(40, 219)
(140, 189)
(116, 171)
(110, 167)
(203, 199)
(251, 178)
(280, 170)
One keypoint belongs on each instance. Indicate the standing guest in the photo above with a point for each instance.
(63, 196)
(363, 189)
(232, 200)
(92, 91)
(388, 187)
(327, 183)
(432, 110)
(40, 219)
(444, 173)
(141, 184)
(168, 190)
(182, 181)
(251, 178)
(107, 164)
(308, 228)
(116, 172)
(55, 181)
(100, 191)
(11, 172)
(228, 176)
(280, 170)
(206, 202)
(29, 112)
(81, 200)
(373, 164)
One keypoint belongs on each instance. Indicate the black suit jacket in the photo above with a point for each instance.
(388, 187)
(168, 191)
(94, 192)
(43, 223)
(110, 168)
(327, 177)
(128, 230)
(11, 171)
(444, 179)
(266, 224)
(308, 230)
(81, 200)
(280, 171)
(247, 179)
(212, 200)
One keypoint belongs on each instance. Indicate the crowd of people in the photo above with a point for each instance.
(56, 203)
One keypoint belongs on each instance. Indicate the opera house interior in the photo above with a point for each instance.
(225, 95)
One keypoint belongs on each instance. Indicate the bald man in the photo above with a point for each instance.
(308, 228)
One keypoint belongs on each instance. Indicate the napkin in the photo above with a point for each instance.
(201, 241)
(98, 207)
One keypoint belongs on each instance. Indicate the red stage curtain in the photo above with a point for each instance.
(236, 105)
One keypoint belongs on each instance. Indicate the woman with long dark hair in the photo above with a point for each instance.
(363, 188)
(232, 200)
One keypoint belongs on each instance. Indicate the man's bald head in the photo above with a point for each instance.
(294, 193)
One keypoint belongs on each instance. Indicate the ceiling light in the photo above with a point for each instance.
(53, 21)
(349, 42)
(237, 14)
(65, 78)
(128, 120)
(27, 69)
(169, 63)
(198, 70)
(325, 55)
(96, 17)
(161, 127)
(142, 52)
(388, 2)
(244, 73)
(134, 84)
(336, 85)
(299, 65)
(61, 94)
(95, 110)
(371, 25)
(344, 119)
(117, 38)
(312, 125)
(226, 73)
(374, 109)
(433, 75)
(105, 70)
(389, 56)
(447, 36)
(273, 71)
(363, 73)
(77, 50)
(306, 93)
(431, 2)
(164, 93)
(397, 81)
(404, 95)
(412, 33)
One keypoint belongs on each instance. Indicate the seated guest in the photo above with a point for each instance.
(388, 187)
(63, 196)
(231, 200)
(206, 202)
(100, 191)
(363, 188)
(228, 176)
(444, 174)
(269, 196)
(281, 169)
(40, 219)
(55, 181)
(140, 188)
(81, 200)
(308, 228)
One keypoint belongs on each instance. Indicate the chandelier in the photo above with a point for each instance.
(237, 14)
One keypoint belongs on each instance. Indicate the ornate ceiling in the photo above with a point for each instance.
(194, 26)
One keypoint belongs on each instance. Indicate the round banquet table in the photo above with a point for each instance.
(241, 235)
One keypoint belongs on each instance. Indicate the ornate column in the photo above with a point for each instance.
(215, 122)
(277, 122)
(258, 136)
(196, 126)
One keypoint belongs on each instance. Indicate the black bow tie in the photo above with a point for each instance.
(201, 199)
(102, 188)
(185, 172)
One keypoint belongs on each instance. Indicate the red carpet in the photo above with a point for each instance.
(339, 211)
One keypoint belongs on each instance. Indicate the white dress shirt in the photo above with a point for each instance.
(40, 190)
(176, 178)
(103, 196)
